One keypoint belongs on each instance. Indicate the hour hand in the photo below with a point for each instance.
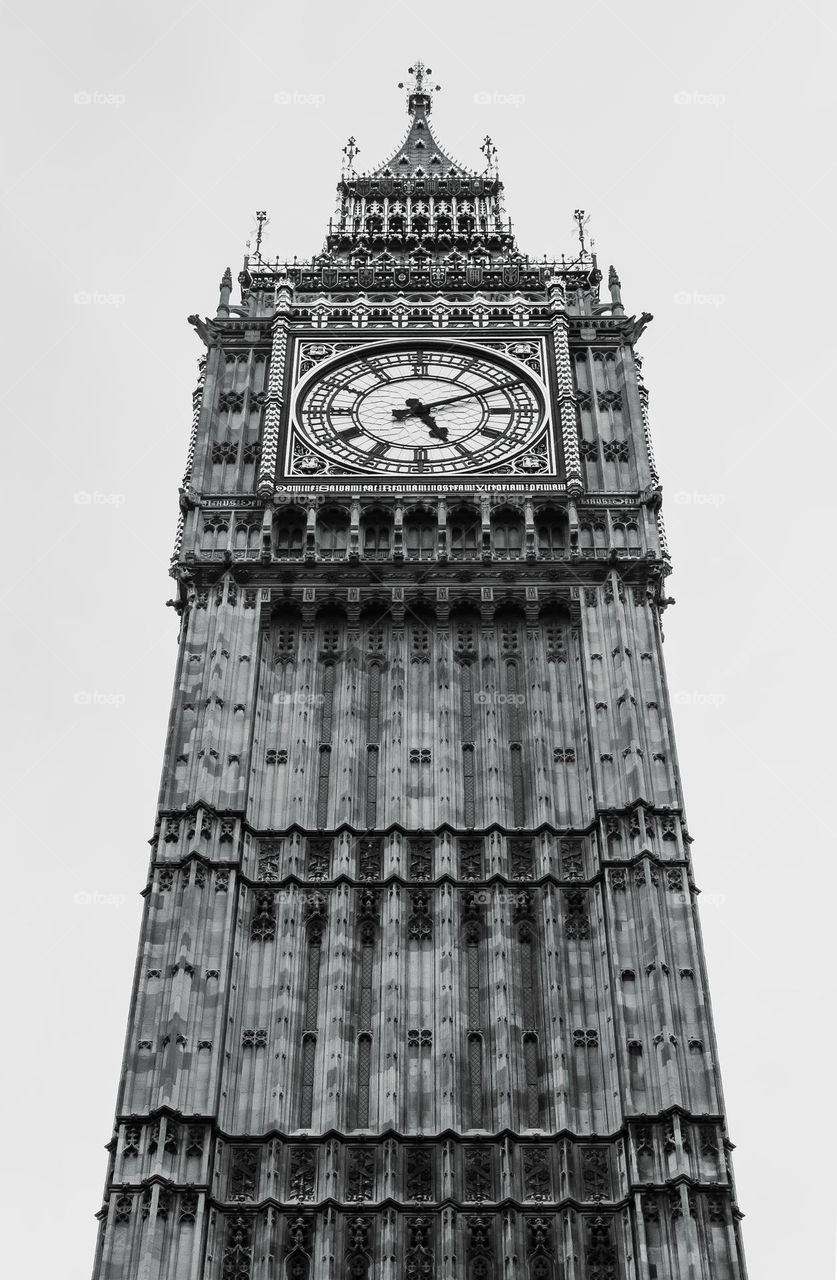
(414, 409)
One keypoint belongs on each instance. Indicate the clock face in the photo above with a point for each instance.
(418, 408)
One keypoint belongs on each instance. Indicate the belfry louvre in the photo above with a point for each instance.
(420, 989)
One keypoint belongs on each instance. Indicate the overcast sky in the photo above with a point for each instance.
(140, 140)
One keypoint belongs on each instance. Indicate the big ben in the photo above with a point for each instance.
(420, 988)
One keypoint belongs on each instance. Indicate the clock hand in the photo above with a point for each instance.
(485, 391)
(415, 407)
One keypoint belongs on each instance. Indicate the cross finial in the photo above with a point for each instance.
(350, 150)
(581, 220)
(262, 220)
(489, 150)
(418, 89)
(417, 71)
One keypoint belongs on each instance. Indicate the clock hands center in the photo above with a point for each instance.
(415, 409)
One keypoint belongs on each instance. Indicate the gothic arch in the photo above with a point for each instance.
(420, 533)
(376, 530)
(551, 530)
(247, 532)
(507, 532)
(288, 532)
(333, 525)
(464, 531)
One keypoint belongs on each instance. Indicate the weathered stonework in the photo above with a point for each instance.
(421, 990)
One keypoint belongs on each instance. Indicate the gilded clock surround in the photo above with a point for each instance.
(338, 429)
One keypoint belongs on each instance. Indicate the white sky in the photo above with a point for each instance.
(724, 198)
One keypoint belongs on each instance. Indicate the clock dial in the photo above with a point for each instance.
(418, 408)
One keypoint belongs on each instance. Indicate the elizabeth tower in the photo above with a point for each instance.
(420, 989)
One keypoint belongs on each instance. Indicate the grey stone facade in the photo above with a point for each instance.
(420, 989)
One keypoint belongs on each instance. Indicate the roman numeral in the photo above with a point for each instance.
(505, 409)
(349, 433)
(490, 431)
(337, 408)
(379, 450)
(420, 457)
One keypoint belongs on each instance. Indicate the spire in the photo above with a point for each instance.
(420, 202)
(420, 154)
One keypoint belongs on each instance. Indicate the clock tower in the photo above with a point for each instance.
(420, 988)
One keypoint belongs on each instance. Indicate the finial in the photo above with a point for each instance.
(489, 150)
(350, 151)
(262, 220)
(614, 285)
(225, 288)
(418, 94)
(581, 220)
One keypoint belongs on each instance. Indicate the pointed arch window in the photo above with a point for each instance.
(507, 535)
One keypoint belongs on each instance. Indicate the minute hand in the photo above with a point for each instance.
(454, 400)
(486, 391)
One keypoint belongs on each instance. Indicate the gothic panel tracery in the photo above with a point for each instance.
(416, 956)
